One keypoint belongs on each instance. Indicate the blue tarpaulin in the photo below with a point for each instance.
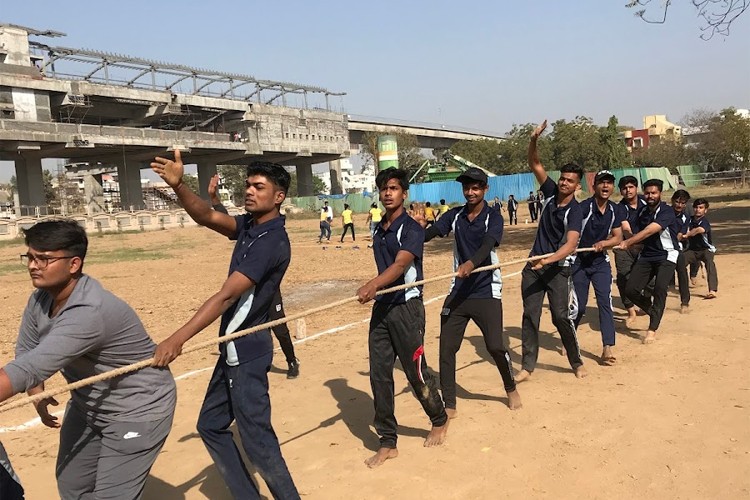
(501, 186)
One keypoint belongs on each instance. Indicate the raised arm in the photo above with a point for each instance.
(535, 165)
(200, 211)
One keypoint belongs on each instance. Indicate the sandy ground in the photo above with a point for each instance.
(670, 420)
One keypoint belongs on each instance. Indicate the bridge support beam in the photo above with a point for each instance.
(334, 169)
(206, 170)
(93, 194)
(129, 179)
(304, 178)
(30, 180)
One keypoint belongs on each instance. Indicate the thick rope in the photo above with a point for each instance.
(226, 338)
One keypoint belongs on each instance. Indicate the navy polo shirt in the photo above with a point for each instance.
(262, 253)
(701, 241)
(596, 227)
(555, 222)
(630, 214)
(468, 237)
(404, 233)
(683, 225)
(662, 245)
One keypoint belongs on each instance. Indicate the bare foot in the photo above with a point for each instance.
(608, 357)
(694, 281)
(711, 295)
(437, 435)
(522, 375)
(581, 372)
(452, 412)
(630, 320)
(514, 400)
(381, 456)
(650, 337)
(684, 309)
(563, 352)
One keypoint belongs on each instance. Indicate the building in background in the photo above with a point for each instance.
(656, 128)
(351, 182)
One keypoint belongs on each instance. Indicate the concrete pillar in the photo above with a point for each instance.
(30, 181)
(129, 179)
(334, 169)
(304, 179)
(206, 170)
(93, 194)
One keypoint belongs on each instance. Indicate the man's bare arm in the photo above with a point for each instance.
(200, 210)
(535, 165)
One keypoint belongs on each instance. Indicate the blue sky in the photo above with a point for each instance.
(478, 64)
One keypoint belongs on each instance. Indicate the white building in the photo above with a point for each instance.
(351, 182)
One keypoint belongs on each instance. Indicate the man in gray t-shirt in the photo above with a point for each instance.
(112, 430)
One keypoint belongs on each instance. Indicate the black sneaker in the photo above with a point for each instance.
(293, 369)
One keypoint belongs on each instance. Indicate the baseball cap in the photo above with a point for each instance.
(602, 175)
(472, 174)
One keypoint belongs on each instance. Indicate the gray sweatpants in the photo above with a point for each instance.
(107, 461)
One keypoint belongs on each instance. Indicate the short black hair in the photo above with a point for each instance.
(392, 173)
(681, 194)
(654, 182)
(346, 206)
(700, 201)
(427, 204)
(628, 179)
(374, 205)
(58, 234)
(573, 169)
(442, 201)
(271, 171)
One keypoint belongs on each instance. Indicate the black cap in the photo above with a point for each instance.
(602, 175)
(472, 174)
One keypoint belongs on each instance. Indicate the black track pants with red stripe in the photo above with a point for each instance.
(397, 330)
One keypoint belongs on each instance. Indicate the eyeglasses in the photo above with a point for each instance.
(42, 261)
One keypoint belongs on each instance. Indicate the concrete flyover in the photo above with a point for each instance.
(107, 109)
(116, 115)
(429, 135)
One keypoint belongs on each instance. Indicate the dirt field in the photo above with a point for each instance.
(670, 420)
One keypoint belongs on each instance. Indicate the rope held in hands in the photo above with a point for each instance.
(226, 338)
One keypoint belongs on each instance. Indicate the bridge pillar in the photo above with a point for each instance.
(30, 181)
(93, 194)
(129, 179)
(334, 169)
(206, 170)
(304, 179)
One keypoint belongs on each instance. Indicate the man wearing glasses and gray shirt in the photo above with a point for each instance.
(112, 430)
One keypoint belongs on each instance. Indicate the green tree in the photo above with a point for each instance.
(667, 153)
(578, 142)
(50, 194)
(723, 140)
(614, 154)
(319, 186)
(191, 181)
(233, 177)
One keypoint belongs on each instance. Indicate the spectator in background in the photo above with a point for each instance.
(429, 214)
(513, 210)
(375, 215)
(348, 223)
(326, 217)
(531, 201)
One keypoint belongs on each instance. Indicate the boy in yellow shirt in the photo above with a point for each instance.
(346, 219)
(375, 216)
